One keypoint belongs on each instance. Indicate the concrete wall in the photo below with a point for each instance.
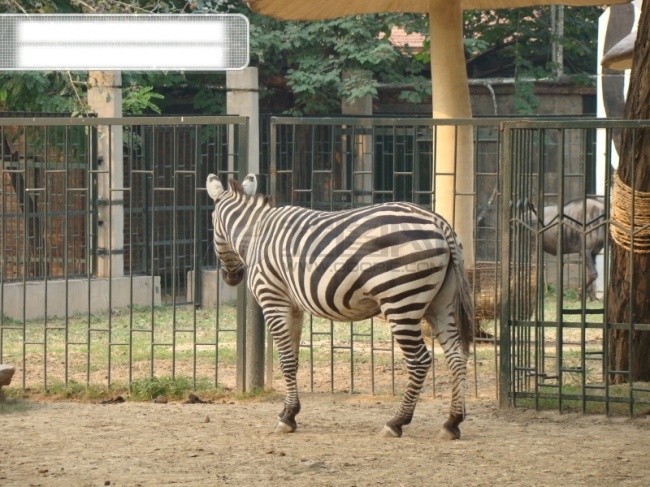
(31, 296)
(213, 290)
(553, 99)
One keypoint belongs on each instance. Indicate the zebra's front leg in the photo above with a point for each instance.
(285, 325)
(418, 362)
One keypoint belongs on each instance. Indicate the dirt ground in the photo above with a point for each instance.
(337, 444)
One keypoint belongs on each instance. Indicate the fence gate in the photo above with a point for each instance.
(339, 163)
(555, 349)
(143, 300)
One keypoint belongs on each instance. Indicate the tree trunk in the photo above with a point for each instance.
(629, 284)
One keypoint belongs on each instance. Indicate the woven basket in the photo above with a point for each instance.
(485, 283)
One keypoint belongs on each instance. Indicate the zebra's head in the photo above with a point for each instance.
(226, 204)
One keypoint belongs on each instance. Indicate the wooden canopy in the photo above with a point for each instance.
(310, 10)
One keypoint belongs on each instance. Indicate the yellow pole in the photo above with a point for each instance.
(454, 166)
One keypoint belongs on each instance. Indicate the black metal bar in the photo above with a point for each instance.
(505, 365)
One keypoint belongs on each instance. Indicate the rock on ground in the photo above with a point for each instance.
(6, 373)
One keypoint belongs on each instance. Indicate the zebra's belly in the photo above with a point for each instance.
(361, 309)
(358, 309)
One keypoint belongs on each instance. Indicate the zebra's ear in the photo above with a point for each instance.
(249, 185)
(214, 187)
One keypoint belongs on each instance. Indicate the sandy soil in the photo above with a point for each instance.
(337, 444)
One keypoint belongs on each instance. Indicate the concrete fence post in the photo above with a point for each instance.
(105, 99)
(243, 100)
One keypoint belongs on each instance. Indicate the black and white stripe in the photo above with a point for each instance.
(395, 259)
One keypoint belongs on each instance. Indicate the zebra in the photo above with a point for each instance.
(392, 258)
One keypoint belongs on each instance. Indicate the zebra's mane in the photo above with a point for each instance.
(236, 187)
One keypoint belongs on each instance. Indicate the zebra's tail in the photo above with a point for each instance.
(464, 302)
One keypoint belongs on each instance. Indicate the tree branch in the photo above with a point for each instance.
(89, 7)
(18, 6)
(82, 105)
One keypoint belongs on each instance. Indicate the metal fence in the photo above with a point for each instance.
(106, 240)
(167, 313)
(337, 163)
(557, 344)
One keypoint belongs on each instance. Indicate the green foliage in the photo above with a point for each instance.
(502, 38)
(38, 6)
(65, 92)
(313, 56)
(42, 91)
(305, 61)
(137, 99)
(517, 43)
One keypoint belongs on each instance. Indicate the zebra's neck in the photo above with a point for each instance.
(240, 219)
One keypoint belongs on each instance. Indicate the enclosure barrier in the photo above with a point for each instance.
(558, 347)
(162, 320)
(106, 232)
(338, 163)
(156, 307)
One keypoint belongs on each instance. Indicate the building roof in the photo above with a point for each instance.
(400, 39)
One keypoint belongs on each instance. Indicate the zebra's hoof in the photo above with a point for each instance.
(448, 435)
(284, 428)
(390, 432)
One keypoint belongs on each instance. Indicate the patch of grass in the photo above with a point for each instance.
(340, 331)
(73, 391)
(140, 390)
(568, 405)
(571, 299)
(77, 391)
(147, 330)
(148, 389)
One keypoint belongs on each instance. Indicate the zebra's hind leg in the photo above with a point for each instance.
(440, 315)
(408, 335)
(285, 325)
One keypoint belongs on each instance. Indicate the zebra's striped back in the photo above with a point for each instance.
(342, 265)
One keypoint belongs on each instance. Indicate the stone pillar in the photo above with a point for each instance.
(243, 99)
(105, 99)
(363, 149)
